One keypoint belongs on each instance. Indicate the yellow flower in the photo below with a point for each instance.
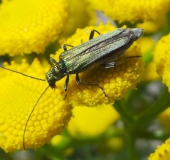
(165, 118)
(132, 11)
(91, 121)
(150, 73)
(162, 59)
(111, 145)
(152, 26)
(116, 81)
(162, 152)
(76, 10)
(59, 140)
(147, 44)
(29, 26)
(18, 96)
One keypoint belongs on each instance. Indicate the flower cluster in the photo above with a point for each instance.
(32, 112)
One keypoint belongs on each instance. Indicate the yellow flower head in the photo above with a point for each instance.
(132, 11)
(18, 96)
(147, 44)
(76, 10)
(152, 26)
(91, 121)
(29, 26)
(150, 73)
(162, 59)
(115, 81)
(162, 152)
(165, 118)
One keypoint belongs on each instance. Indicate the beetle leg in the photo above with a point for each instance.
(110, 65)
(66, 83)
(65, 47)
(66, 86)
(53, 61)
(78, 81)
(113, 64)
(137, 56)
(92, 34)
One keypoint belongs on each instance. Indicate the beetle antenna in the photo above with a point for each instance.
(22, 74)
(136, 56)
(31, 114)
